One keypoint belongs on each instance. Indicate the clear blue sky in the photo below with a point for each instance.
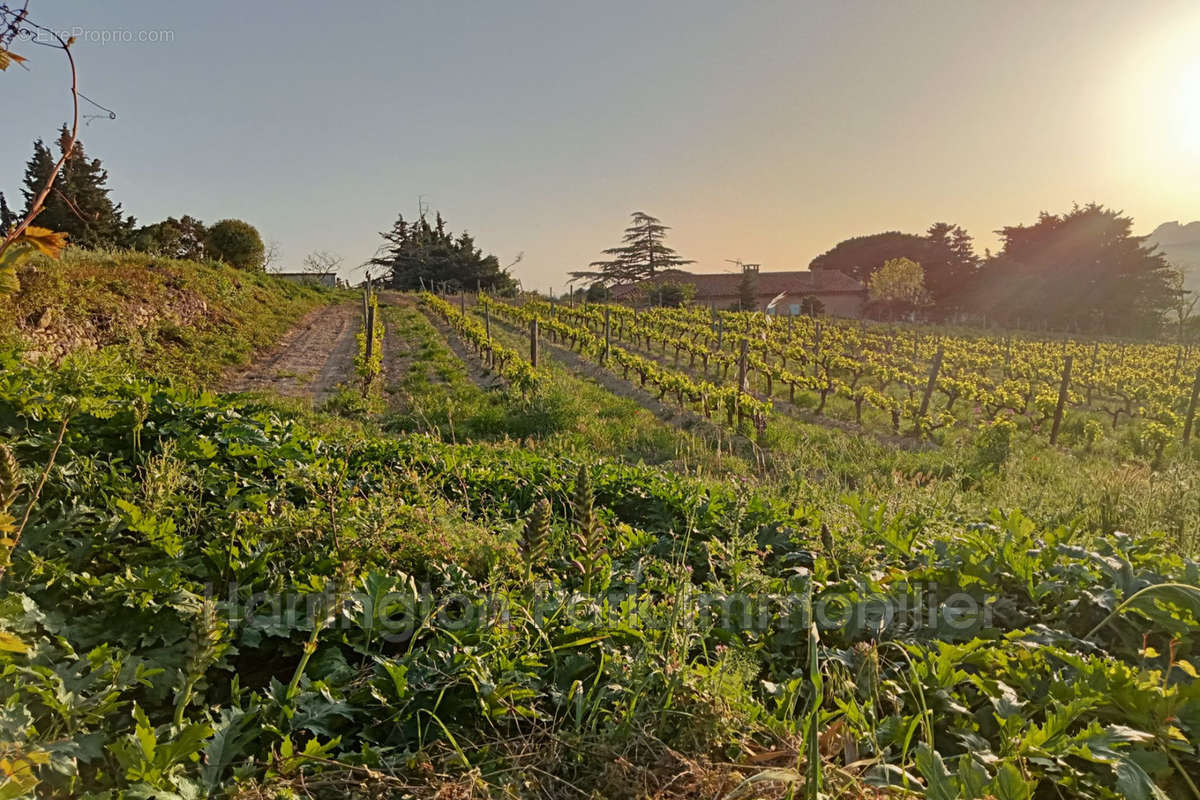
(766, 131)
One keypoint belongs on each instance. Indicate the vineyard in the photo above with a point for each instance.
(912, 381)
(659, 553)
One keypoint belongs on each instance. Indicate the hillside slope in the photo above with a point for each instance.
(189, 319)
(1181, 245)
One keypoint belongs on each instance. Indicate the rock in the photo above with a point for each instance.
(43, 320)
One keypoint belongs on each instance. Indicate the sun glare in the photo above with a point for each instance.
(1184, 110)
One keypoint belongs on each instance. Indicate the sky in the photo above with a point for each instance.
(763, 131)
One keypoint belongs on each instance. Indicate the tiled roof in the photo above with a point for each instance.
(727, 284)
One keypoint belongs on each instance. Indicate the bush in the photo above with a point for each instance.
(993, 443)
(237, 243)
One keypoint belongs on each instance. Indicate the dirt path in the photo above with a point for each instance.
(311, 359)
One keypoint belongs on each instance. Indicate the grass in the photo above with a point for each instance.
(661, 631)
(190, 321)
(569, 414)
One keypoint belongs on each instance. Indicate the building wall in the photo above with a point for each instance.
(837, 304)
(319, 279)
(843, 305)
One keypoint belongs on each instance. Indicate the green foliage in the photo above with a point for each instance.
(206, 316)
(79, 206)
(860, 256)
(897, 287)
(535, 536)
(1080, 676)
(588, 536)
(236, 243)
(993, 443)
(748, 290)
(421, 255)
(182, 238)
(642, 254)
(669, 294)
(1082, 270)
(10, 478)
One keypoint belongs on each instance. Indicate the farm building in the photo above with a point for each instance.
(835, 293)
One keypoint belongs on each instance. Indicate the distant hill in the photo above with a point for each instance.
(1181, 245)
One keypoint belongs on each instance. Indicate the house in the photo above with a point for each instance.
(835, 293)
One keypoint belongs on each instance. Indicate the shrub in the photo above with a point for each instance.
(993, 443)
(236, 243)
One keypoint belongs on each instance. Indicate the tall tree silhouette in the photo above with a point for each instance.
(426, 253)
(1083, 270)
(859, 256)
(949, 264)
(642, 254)
(79, 204)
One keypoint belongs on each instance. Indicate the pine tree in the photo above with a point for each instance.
(7, 218)
(642, 254)
(422, 253)
(79, 205)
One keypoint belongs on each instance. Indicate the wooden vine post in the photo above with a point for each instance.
(533, 342)
(1062, 398)
(743, 373)
(487, 330)
(369, 320)
(933, 376)
(1191, 409)
(607, 336)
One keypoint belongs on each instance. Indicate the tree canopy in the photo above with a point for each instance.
(238, 243)
(946, 253)
(897, 287)
(423, 253)
(859, 256)
(1082, 270)
(79, 205)
(174, 238)
(642, 254)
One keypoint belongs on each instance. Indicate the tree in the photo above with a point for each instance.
(598, 293)
(271, 255)
(426, 254)
(670, 294)
(949, 263)
(748, 289)
(897, 288)
(811, 306)
(321, 262)
(1083, 270)
(1184, 306)
(859, 256)
(946, 253)
(79, 205)
(642, 254)
(7, 217)
(182, 238)
(237, 243)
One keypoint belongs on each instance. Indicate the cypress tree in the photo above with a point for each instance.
(7, 217)
(79, 205)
